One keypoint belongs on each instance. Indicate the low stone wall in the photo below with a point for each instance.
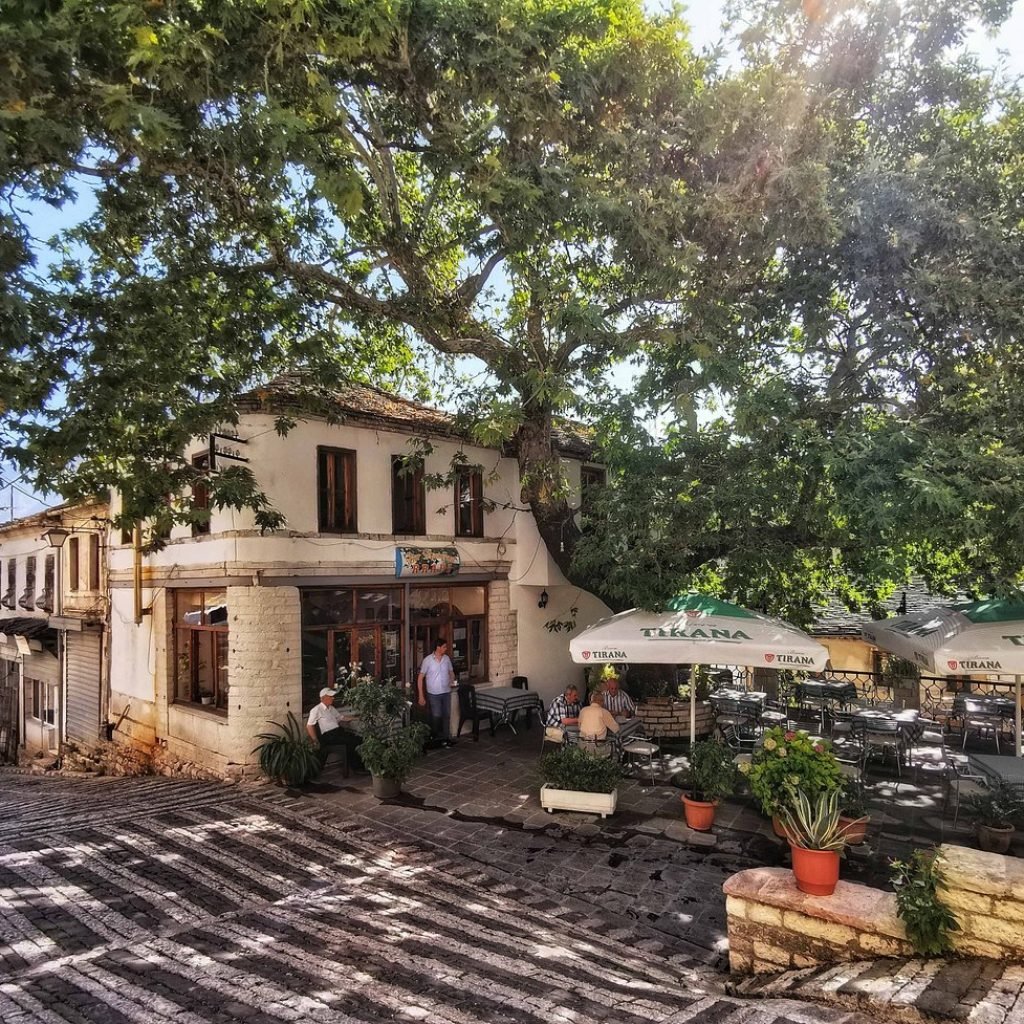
(669, 718)
(774, 927)
(986, 892)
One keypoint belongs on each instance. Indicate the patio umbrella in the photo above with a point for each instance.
(697, 630)
(984, 636)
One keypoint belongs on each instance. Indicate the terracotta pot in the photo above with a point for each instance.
(855, 829)
(778, 828)
(993, 839)
(816, 871)
(385, 789)
(700, 815)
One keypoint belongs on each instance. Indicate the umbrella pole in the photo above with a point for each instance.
(693, 705)
(1016, 715)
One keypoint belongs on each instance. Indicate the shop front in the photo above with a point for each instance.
(389, 629)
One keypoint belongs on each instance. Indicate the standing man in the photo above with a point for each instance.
(329, 720)
(435, 683)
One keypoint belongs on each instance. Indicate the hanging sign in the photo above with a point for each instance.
(426, 561)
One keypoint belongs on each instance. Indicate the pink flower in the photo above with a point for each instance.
(790, 735)
(818, 748)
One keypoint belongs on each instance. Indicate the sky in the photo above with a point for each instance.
(705, 20)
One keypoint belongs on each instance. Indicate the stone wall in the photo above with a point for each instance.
(774, 927)
(666, 717)
(502, 635)
(986, 892)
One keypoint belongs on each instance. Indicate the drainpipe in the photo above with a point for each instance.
(137, 567)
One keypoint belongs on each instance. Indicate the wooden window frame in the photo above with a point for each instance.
(475, 504)
(328, 463)
(408, 489)
(94, 562)
(192, 635)
(201, 494)
(73, 564)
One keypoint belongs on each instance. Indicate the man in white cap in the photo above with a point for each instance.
(329, 720)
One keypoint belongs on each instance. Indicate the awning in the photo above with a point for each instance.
(31, 628)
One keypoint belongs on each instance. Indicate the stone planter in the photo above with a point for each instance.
(552, 799)
(993, 839)
(385, 789)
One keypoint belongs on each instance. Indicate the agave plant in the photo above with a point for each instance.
(814, 826)
(288, 756)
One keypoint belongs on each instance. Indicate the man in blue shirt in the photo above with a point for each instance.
(435, 683)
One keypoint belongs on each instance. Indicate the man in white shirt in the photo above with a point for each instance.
(329, 720)
(434, 684)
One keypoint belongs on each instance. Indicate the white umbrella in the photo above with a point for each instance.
(698, 630)
(963, 639)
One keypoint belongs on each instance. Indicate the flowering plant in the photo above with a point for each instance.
(788, 763)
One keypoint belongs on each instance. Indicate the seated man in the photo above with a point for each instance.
(565, 708)
(329, 720)
(595, 724)
(617, 701)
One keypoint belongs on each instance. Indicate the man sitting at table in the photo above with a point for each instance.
(330, 721)
(565, 708)
(616, 701)
(595, 724)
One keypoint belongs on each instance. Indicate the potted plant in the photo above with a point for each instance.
(815, 840)
(574, 780)
(790, 762)
(287, 756)
(712, 777)
(389, 749)
(996, 814)
(853, 813)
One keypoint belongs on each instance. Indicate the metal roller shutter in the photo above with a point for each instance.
(83, 654)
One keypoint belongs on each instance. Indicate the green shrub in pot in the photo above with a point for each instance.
(573, 768)
(287, 756)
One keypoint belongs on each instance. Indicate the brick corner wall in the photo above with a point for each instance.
(668, 718)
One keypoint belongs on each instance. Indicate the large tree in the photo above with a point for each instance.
(864, 425)
(323, 185)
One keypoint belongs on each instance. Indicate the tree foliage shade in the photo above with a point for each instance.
(814, 253)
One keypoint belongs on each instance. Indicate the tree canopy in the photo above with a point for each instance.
(814, 250)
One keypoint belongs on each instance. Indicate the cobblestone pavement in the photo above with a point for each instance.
(975, 991)
(145, 900)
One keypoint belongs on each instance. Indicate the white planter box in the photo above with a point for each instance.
(552, 799)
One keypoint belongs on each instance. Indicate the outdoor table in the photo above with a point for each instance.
(1001, 768)
(504, 701)
(629, 728)
(991, 703)
(746, 696)
(838, 690)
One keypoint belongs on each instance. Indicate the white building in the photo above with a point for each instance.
(239, 628)
(52, 628)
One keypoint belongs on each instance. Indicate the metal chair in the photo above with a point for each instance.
(468, 712)
(640, 748)
(980, 719)
(878, 734)
(520, 683)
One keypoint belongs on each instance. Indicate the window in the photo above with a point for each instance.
(28, 598)
(336, 490)
(45, 601)
(11, 593)
(469, 506)
(73, 563)
(94, 562)
(201, 648)
(201, 495)
(408, 496)
(43, 701)
(592, 479)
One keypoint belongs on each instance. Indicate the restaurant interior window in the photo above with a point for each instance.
(336, 490)
(469, 503)
(345, 625)
(408, 496)
(73, 546)
(201, 648)
(201, 495)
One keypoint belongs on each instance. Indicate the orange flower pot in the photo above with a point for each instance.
(700, 815)
(855, 829)
(816, 871)
(778, 828)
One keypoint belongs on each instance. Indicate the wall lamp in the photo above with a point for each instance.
(56, 536)
(543, 602)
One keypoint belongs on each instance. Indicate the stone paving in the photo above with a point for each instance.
(146, 900)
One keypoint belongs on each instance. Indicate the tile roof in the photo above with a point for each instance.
(372, 406)
(835, 619)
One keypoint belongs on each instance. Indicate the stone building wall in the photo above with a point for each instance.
(502, 635)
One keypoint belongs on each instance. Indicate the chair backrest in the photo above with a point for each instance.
(521, 682)
(729, 706)
(467, 700)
